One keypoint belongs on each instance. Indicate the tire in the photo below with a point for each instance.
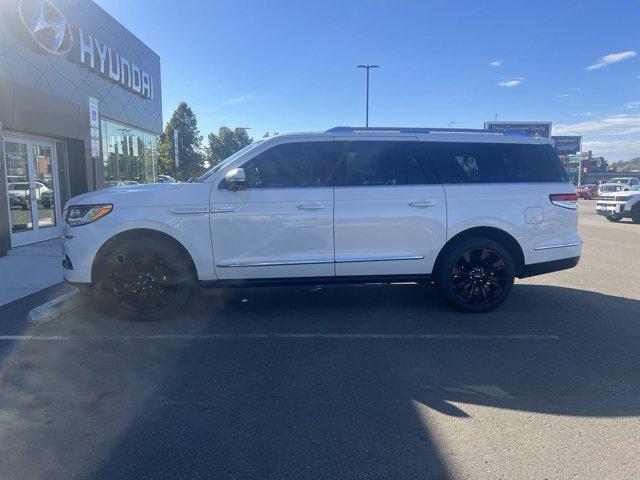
(613, 218)
(144, 280)
(491, 281)
(635, 213)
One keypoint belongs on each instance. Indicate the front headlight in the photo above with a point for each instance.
(83, 214)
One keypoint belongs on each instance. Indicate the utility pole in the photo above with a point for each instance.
(368, 67)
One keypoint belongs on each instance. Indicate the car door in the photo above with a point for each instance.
(390, 211)
(280, 224)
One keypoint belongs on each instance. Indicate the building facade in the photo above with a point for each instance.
(80, 109)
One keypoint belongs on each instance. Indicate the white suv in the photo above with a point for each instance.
(467, 209)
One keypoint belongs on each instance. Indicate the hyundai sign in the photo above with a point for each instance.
(567, 144)
(535, 129)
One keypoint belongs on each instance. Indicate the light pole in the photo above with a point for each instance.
(368, 67)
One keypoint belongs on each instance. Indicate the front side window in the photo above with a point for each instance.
(377, 163)
(495, 163)
(291, 165)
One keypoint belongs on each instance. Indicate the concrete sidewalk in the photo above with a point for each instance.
(29, 269)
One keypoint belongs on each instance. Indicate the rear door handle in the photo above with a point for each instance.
(311, 206)
(424, 204)
(230, 208)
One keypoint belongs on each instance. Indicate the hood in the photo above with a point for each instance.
(625, 194)
(145, 194)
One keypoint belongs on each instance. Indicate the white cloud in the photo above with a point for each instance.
(246, 98)
(563, 95)
(614, 151)
(496, 63)
(623, 124)
(511, 83)
(612, 58)
(631, 105)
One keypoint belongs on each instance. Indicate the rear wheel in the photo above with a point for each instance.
(476, 275)
(145, 280)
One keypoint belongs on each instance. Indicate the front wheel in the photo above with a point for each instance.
(613, 218)
(145, 280)
(476, 275)
(635, 213)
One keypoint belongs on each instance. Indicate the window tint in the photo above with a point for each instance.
(291, 165)
(496, 163)
(382, 163)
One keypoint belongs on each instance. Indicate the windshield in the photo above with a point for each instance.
(228, 160)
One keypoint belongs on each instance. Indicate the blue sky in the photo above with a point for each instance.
(290, 65)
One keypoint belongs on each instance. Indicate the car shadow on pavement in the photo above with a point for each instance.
(340, 407)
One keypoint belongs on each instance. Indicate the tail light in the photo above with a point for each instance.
(565, 200)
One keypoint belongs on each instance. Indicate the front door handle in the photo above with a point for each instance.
(311, 206)
(424, 204)
(230, 208)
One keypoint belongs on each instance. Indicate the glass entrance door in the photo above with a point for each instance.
(32, 188)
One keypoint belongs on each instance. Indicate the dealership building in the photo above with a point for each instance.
(80, 109)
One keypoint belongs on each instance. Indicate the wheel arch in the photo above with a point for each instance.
(502, 237)
(139, 234)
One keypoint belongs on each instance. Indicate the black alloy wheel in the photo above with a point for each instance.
(145, 280)
(478, 277)
(476, 274)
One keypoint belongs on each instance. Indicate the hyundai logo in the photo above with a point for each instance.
(47, 25)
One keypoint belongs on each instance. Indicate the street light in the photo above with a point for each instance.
(368, 67)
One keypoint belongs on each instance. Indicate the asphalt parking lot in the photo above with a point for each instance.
(338, 382)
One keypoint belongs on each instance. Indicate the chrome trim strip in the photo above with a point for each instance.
(188, 210)
(316, 262)
(575, 244)
(273, 264)
(387, 259)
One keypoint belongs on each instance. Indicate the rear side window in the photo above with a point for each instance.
(495, 163)
(377, 163)
(291, 165)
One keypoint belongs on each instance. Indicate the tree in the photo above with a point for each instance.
(225, 143)
(629, 166)
(190, 158)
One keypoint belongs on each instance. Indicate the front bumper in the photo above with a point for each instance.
(79, 248)
(611, 207)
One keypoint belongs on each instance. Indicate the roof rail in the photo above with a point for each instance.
(420, 130)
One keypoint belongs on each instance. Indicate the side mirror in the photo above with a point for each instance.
(235, 179)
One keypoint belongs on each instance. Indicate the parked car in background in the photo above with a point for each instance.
(469, 210)
(166, 179)
(618, 184)
(46, 199)
(22, 202)
(587, 191)
(20, 191)
(618, 205)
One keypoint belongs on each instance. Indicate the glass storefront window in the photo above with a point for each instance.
(129, 155)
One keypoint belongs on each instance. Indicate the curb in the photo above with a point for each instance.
(57, 307)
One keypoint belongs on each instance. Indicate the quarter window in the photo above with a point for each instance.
(496, 163)
(376, 163)
(291, 165)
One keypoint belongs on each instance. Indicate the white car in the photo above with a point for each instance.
(618, 205)
(618, 185)
(468, 209)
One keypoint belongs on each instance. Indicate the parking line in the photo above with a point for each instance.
(216, 336)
